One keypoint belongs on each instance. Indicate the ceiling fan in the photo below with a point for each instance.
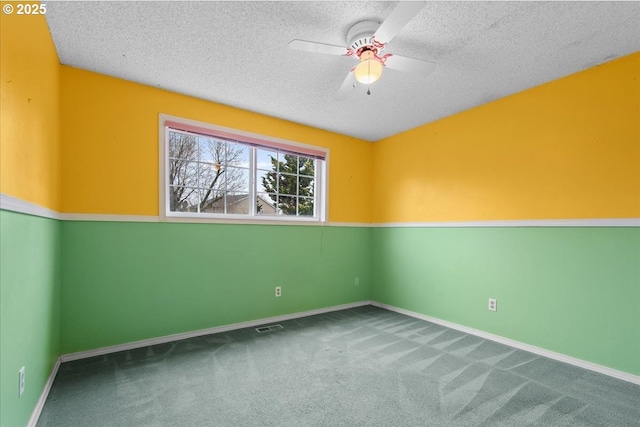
(367, 41)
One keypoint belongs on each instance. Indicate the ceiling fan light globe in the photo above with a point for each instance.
(368, 71)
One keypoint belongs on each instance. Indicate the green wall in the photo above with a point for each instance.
(130, 281)
(575, 291)
(29, 310)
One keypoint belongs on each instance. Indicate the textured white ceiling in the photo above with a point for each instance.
(237, 53)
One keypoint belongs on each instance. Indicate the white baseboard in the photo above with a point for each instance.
(184, 335)
(625, 376)
(35, 415)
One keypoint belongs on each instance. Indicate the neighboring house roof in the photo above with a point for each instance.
(266, 204)
(239, 204)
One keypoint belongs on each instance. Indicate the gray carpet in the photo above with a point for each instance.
(359, 367)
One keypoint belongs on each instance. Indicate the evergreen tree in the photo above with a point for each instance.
(293, 181)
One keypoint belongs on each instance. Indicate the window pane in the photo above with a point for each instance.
(287, 184)
(182, 146)
(211, 176)
(183, 173)
(211, 201)
(266, 181)
(266, 159)
(305, 186)
(305, 206)
(287, 205)
(237, 155)
(288, 163)
(183, 199)
(238, 203)
(266, 204)
(212, 150)
(306, 166)
(281, 187)
(237, 179)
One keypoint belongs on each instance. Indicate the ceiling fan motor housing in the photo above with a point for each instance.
(360, 38)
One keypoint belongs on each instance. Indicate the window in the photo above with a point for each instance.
(213, 172)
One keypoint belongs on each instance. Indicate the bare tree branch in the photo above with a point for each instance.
(199, 163)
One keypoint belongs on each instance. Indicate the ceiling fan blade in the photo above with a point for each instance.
(314, 47)
(401, 15)
(346, 86)
(410, 65)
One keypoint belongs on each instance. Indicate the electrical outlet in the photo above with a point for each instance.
(356, 281)
(21, 373)
(278, 291)
(493, 304)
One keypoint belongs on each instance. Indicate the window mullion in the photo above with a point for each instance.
(253, 196)
(277, 201)
(317, 188)
(225, 165)
(198, 186)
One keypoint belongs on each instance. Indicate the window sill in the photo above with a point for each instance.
(240, 219)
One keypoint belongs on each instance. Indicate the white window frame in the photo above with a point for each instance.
(266, 142)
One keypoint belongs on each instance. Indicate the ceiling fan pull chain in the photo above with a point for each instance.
(369, 72)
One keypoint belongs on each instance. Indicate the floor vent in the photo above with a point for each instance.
(269, 328)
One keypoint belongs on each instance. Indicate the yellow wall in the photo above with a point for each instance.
(110, 151)
(29, 111)
(567, 149)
